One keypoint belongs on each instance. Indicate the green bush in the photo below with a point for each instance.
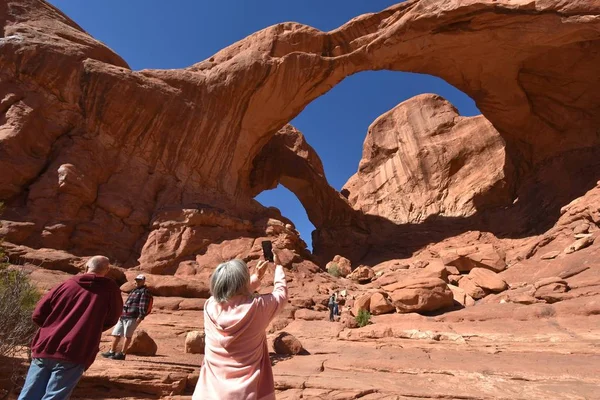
(334, 270)
(363, 318)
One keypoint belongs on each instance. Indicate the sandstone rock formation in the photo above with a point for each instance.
(100, 165)
(151, 168)
(422, 159)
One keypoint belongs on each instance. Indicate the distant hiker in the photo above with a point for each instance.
(332, 305)
(236, 359)
(336, 303)
(136, 308)
(71, 317)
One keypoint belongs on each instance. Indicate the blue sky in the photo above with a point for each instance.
(156, 34)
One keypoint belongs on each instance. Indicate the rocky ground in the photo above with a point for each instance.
(493, 351)
(530, 341)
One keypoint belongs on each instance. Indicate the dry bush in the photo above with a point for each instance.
(18, 298)
(17, 301)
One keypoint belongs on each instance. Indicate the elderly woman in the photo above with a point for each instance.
(236, 359)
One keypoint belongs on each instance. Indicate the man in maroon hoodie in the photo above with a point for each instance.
(71, 317)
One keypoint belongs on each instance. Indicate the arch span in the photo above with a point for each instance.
(121, 145)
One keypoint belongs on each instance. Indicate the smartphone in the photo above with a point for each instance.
(267, 247)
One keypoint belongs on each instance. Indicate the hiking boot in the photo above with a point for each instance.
(118, 356)
(108, 354)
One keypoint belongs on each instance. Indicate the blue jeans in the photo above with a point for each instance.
(50, 379)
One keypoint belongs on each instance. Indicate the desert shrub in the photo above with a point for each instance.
(363, 318)
(18, 298)
(334, 270)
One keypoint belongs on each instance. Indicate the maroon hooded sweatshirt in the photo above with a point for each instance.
(72, 317)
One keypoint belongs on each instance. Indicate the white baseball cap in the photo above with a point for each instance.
(140, 277)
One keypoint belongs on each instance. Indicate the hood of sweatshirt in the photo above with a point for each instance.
(229, 319)
(93, 282)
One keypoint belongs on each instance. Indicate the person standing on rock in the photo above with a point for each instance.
(135, 310)
(71, 317)
(336, 305)
(332, 305)
(236, 361)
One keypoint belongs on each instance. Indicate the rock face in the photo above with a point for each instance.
(79, 160)
(422, 159)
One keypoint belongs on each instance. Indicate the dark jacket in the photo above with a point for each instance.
(72, 317)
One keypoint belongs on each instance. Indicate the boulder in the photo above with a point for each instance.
(467, 284)
(362, 303)
(343, 265)
(431, 270)
(421, 295)
(487, 280)
(552, 292)
(380, 303)
(454, 279)
(481, 255)
(287, 344)
(460, 296)
(550, 280)
(348, 320)
(194, 342)
(142, 344)
(362, 274)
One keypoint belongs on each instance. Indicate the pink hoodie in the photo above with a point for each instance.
(236, 359)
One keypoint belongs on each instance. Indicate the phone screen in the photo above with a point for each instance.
(267, 247)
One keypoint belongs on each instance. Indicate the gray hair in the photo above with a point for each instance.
(229, 279)
(98, 265)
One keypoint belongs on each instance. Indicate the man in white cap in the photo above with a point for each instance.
(135, 309)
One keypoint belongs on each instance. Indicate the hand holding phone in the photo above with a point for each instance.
(267, 247)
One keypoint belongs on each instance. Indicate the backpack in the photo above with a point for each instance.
(331, 300)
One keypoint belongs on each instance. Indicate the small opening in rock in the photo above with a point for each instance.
(291, 208)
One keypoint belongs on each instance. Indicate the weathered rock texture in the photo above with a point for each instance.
(422, 159)
(93, 154)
